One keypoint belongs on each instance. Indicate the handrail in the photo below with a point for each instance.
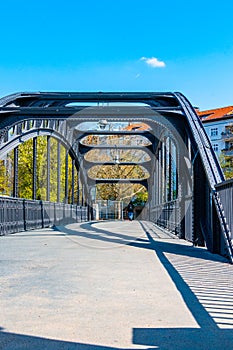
(18, 215)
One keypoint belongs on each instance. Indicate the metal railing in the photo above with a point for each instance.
(225, 192)
(22, 214)
(108, 210)
(167, 215)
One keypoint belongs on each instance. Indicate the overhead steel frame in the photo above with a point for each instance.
(198, 175)
(23, 131)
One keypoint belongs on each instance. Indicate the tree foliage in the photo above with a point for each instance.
(113, 191)
(6, 175)
(117, 190)
(227, 166)
(25, 171)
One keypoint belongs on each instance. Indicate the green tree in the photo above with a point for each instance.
(117, 191)
(41, 178)
(25, 169)
(227, 165)
(6, 175)
(53, 169)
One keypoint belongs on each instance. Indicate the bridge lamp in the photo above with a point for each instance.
(103, 123)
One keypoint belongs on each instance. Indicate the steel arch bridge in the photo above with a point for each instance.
(185, 183)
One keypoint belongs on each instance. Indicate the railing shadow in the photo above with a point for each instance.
(184, 338)
(207, 290)
(90, 227)
(204, 280)
(93, 233)
(13, 341)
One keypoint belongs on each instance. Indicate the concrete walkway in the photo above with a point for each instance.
(112, 285)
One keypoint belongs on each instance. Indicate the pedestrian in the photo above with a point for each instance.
(130, 210)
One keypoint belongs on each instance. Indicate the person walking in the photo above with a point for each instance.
(130, 210)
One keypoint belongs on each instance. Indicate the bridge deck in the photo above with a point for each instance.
(112, 285)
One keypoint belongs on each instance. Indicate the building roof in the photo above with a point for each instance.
(217, 113)
(137, 126)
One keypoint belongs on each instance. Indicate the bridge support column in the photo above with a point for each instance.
(34, 181)
(58, 171)
(78, 190)
(48, 168)
(16, 172)
(161, 175)
(201, 202)
(72, 181)
(169, 180)
(66, 177)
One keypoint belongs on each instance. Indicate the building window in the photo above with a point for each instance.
(214, 132)
(215, 147)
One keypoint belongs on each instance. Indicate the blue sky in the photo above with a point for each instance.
(123, 45)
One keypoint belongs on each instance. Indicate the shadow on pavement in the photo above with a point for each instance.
(198, 279)
(94, 233)
(118, 235)
(209, 336)
(12, 341)
(184, 338)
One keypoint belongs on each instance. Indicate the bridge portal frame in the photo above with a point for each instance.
(55, 110)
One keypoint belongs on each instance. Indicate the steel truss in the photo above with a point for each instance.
(187, 192)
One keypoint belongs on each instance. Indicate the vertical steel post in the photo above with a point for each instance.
(48, 168)
(83, 194)
(66, 177)
(164, 171)
(58, 171)
(157, 184)
(34, 181)
(78, 189)
(16, 172)
(177, 173)
(169, 170)
(72, 181)
(161, 175)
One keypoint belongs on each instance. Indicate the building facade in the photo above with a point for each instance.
(218, 124)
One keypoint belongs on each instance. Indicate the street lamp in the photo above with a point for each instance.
(103, 123)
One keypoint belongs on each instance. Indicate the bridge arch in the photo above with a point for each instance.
(184, 172)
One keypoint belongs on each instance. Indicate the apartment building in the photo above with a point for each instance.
(218, 124)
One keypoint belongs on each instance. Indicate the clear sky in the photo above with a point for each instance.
(123, 45)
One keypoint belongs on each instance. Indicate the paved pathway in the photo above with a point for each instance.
(112, 285)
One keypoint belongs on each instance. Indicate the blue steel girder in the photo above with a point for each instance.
(92, 182)
(61, 99)
(213, 173)
(89, 164)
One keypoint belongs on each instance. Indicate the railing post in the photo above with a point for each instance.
(55, 214)
(42, 214)
(24, 215)
(34, 181)
(58, 171)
